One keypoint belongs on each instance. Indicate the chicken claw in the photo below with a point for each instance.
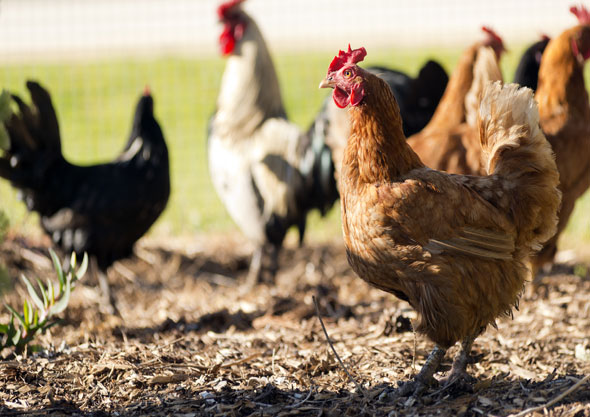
(425, 377)
(459, 376)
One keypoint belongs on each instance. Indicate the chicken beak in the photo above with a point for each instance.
(327, 82)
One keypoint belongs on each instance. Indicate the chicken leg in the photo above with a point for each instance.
(107, 300)
(255, 268)
(459, 375)
(107, 303)
(263, 266)
(425, 377)
(272, 266)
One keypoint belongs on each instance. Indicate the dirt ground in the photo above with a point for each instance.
(192, 342)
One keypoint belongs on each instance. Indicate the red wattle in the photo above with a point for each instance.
(356, 96)
(340, 97)
(227, 42)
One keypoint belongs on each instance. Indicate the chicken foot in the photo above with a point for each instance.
(263, 266)
(459, 375)
(425, 377)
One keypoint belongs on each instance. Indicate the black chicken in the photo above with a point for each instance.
(417, 97)
(527, 72)
(100, 209)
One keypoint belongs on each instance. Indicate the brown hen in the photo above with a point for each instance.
(450, 141)
(453, 246)
(565, 119)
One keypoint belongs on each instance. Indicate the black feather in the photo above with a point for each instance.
(100, 209)
(527, 72)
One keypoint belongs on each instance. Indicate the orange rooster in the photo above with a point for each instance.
(450, 141)
(565, 118)
(453, 246)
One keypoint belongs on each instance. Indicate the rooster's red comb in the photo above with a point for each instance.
(581, 13)
(224, 8)
(492, 34)
(350, 57)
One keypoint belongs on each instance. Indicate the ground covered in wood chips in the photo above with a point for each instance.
(192, 342)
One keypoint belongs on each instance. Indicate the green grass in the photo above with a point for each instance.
(577, 232)
(95, 102)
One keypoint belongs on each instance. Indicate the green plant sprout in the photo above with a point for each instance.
(38, 312)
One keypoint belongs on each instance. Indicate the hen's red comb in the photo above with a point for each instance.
(492, 34)
(581, 13)
(545, 37)
(224, 8)
(146, 90)
(349, 57)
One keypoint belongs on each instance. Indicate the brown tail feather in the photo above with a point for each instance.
(516, 150)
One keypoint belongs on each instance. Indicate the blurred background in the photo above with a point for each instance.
(96, 56)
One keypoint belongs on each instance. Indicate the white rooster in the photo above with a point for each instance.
(268, 173)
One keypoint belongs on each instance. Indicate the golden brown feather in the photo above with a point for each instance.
(565, 119)
(450, 142)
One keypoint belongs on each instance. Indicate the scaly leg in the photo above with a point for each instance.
(107, 303)
(459, 373)
(425, 377)
(264, 266)
(254, 272)
(273, 264)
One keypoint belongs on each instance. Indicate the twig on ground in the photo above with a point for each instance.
(172, 342)
(297, 404)
(240, 361)
(358, 386)
(555, 400)
(415, 349)
(273, 361)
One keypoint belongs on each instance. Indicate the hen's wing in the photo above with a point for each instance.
(111, 193)
(258, 179)
(106, 209)
(449, 213)
(275, 163)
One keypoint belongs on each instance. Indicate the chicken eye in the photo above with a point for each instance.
(347, 73)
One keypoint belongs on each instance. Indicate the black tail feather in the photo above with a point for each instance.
(33, 133)
(322, 191)
(21, 139)
(47, 119)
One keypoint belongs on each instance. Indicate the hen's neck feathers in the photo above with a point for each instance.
(377, 150)
(451, 108)
(250, 91)
(561, 93)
